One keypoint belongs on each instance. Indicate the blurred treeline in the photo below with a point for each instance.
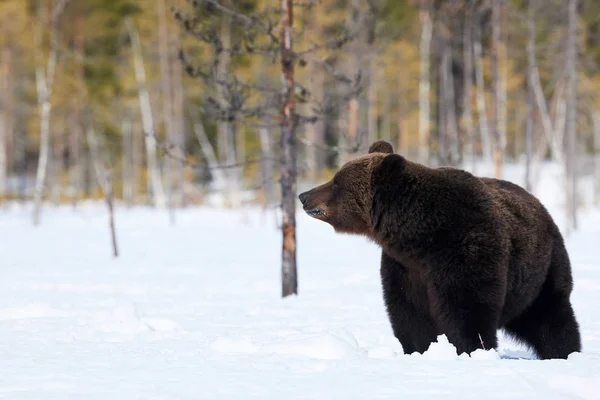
(447, 81)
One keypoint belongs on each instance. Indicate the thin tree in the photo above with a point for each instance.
(424, 81)
(496, 114)
(44, 82)
(484, 129)
(268, 32)
(596, 125)
(159, 198)
(76, 129)
(4, 134)
(571, 128)
(104, 176)
(288, 156)
(166, 87)
(530, 92)
(468, 80)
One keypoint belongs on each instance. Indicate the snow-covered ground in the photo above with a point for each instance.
(193, 311)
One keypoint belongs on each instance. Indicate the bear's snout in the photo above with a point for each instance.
(303, 197)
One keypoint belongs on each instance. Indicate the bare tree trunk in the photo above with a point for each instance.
(571, 128)
(127, 158)
(353, 136)
(76, 133)
(224, 141)
(442, 144)
(137, 151)
(56, 165)
(267, 165)
(6, 113)
(288, 157)
(44, 83)
(211, 157)
(314, 131)
(75, 155)
(178, 122)
(468, 82)
(502, 83)
(240, 147)
(104, 176)
(311, 151)
(496, 114)
(402, 136)
(387, 123)
(484, 130)
(552, 131)
(596, 121)
(5, 119)
(530, 93)
(372, 99)
(167, 102)
(451, 128)
(158, 194)
(111, 210)
(424, 84)
(3, 163)
(227, 130)
(3, 135)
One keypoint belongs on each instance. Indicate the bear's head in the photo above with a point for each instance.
(345, 201)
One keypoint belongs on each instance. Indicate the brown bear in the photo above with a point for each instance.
(461, 255)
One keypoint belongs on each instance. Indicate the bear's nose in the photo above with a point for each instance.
(303, 197)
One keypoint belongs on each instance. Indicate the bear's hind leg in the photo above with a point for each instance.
(549, 325)
(411, 323)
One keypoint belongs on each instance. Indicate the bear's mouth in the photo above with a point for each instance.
(315, 212)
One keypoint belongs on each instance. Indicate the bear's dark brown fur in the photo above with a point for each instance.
(461, 255)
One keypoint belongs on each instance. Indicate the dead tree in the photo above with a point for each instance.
(229, 100)
(104, 175)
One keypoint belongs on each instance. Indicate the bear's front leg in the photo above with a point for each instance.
(467, 308)
(407, 306)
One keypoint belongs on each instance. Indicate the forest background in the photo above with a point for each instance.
(168, 102)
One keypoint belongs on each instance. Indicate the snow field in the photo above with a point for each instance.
(193, 311)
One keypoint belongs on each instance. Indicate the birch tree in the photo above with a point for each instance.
(44, 76)
(158, 194)
(167, 99)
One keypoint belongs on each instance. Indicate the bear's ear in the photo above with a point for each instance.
(390, 167)
(381, 146)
